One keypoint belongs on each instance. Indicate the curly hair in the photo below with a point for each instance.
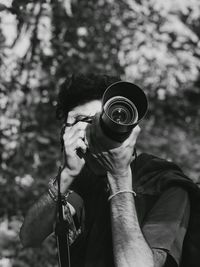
(80, 89)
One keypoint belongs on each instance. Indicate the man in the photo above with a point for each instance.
(123, 215)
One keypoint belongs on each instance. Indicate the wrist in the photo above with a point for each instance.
(53, 190)
(53, 194)
(65, 180)
(120, 181)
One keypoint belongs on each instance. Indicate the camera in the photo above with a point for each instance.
(124, 106)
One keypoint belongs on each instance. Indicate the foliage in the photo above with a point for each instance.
(153, 43)
(163, 51)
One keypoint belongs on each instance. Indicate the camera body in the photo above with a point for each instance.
(124, 105)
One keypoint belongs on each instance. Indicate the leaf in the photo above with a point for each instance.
(43, 140)
(67, 7)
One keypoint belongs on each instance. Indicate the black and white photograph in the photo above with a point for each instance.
(99, 133)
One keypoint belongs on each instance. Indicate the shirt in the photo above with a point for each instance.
(163, 216)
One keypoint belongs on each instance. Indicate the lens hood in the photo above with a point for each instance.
(120, 129)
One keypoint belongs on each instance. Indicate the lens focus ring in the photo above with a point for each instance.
(121, 110)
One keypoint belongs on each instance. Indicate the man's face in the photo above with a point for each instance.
(80, 113)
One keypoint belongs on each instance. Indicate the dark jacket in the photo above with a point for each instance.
(153, 173)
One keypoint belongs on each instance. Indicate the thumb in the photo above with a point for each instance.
(133, 136)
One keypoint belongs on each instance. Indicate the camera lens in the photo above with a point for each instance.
(121, 110)
(120, 115)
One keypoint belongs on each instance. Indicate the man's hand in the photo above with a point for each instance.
(74, 145)
(113, 156)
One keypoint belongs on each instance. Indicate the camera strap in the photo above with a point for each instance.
(62, 231)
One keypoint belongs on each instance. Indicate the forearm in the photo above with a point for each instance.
(40, 219)
(39, 222)
(129, 244)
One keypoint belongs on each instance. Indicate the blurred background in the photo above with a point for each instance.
(155, 44)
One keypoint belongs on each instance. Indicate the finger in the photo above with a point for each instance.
(72, 138)
(78, 126)
(77, 145)
(72, 131)
(69, 143)
(80, 145)
(131, 140)
(134, 134)
(136, 131)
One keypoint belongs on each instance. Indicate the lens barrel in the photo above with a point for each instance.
(124, 105)
(121, 110)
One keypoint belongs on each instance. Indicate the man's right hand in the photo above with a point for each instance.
(74, 143)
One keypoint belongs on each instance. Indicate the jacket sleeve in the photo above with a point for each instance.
(166, 224)
(75, 222)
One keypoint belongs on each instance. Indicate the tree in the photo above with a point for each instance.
(152, 43)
